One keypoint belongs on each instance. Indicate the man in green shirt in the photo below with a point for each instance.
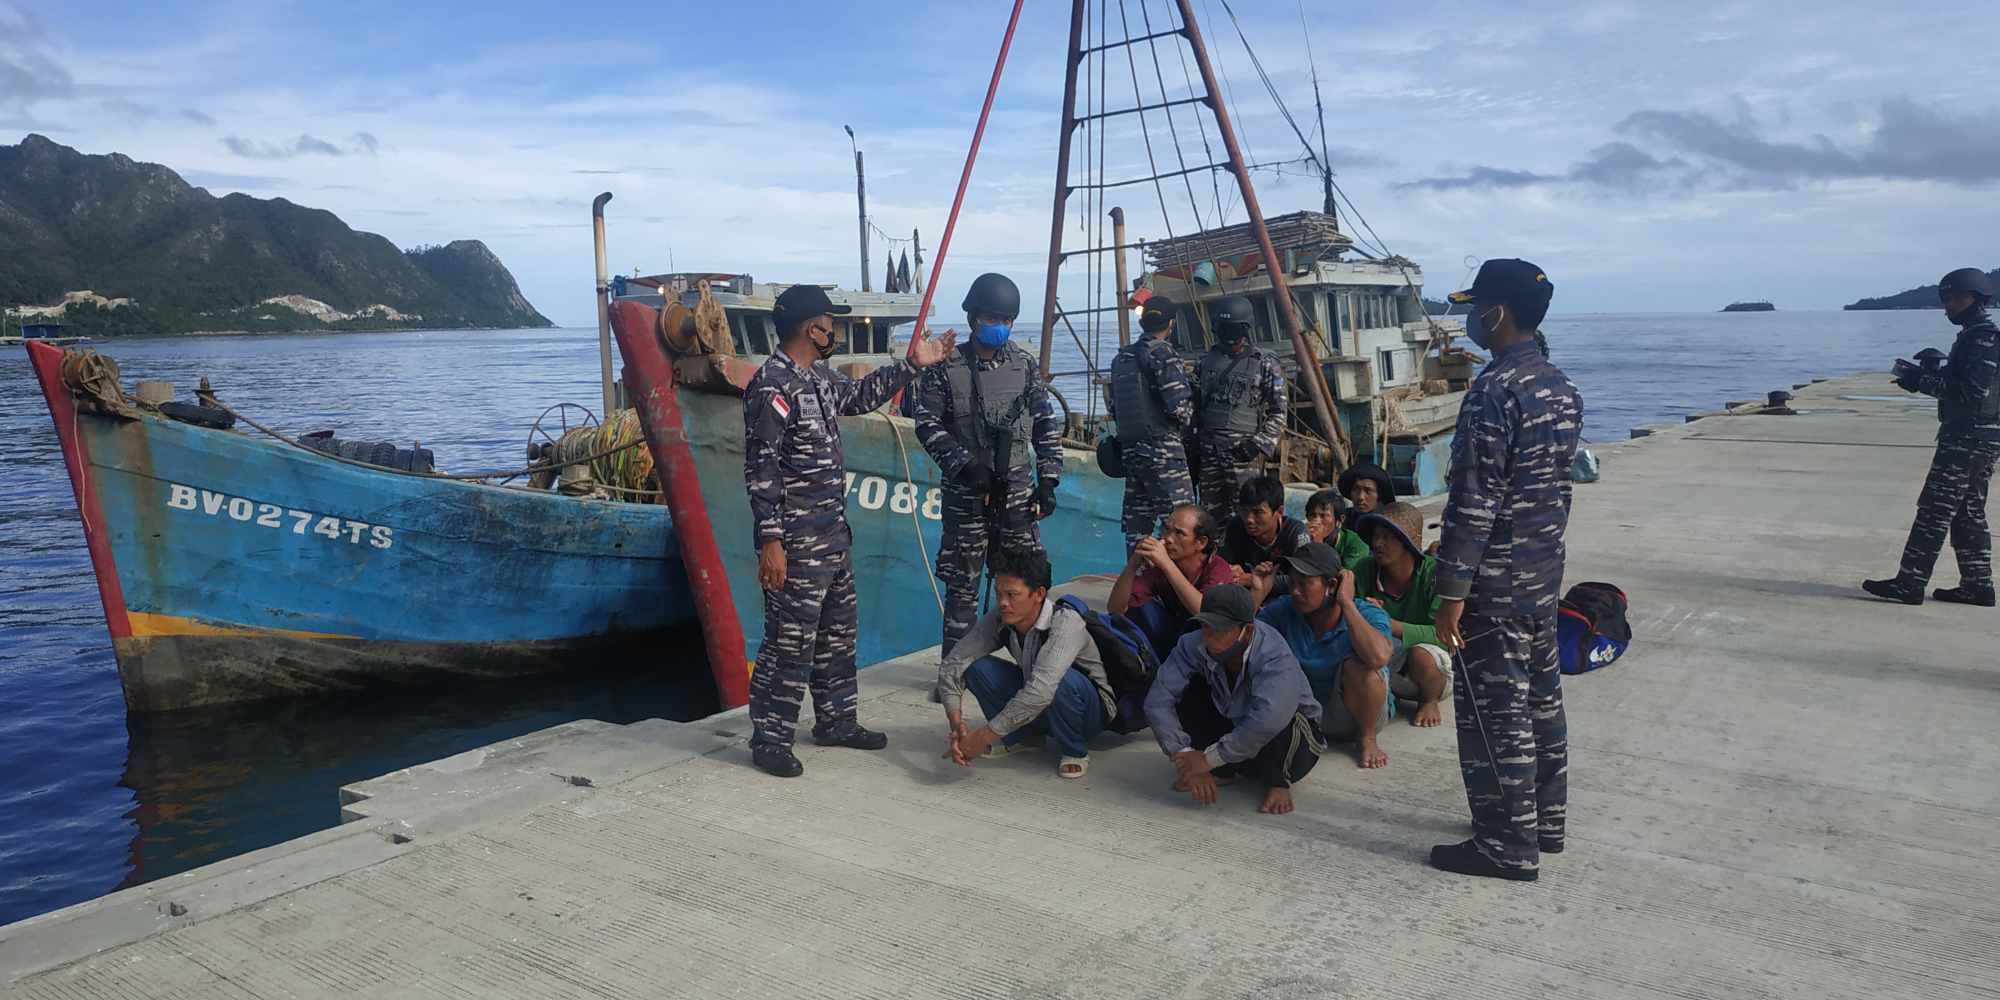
(1402, 580)
(1326, 522)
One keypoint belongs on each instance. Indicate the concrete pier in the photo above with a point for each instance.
(1785, 790)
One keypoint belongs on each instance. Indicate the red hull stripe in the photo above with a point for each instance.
(47, 360)
(649, 380)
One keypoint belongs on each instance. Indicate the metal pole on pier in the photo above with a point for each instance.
(1118, 266)
(861, 202)
(1309, 370)
(603, 303)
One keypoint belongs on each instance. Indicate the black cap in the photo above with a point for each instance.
(804, 302)
(1156, 313)
(1315, 559)
(1227, 605)
(1509, 281)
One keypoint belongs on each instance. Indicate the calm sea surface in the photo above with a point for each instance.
(91, 801)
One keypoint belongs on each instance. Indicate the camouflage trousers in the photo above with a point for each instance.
(1954, 502)
(1513, 740)
(809, 634)
(1221, 474)
(1156, 481)
(969, 527)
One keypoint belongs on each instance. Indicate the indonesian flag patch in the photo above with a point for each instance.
(782, 406)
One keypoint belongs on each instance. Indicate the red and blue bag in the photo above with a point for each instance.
(1591, 628)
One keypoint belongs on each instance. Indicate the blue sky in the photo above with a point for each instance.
(1649, 156)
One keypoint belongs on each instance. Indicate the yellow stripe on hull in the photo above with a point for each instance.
(148, 625)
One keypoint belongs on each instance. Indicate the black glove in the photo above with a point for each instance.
(1909, 381)
(1045, 498)
(1246, 450)
(976, 476)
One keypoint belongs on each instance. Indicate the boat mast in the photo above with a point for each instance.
(1069, 124)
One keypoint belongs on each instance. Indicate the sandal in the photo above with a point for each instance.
(1073, 767)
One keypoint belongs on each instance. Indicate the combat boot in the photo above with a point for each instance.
(776, 759)
(1962, 594)
(1896, 589)
(1465, 859)
(849, 733)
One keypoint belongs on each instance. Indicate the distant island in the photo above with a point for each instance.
(1749, 307)
(1436, 308)
(108, 246)
(1925, 297)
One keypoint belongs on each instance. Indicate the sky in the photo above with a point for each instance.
(1650, 157)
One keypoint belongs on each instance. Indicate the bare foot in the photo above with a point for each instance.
(1428, 715)
(1371, 756)
(1277, 801)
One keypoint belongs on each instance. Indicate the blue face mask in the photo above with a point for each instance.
(1476, 329)
(992, 335)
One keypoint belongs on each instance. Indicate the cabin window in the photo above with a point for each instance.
(1188, 332)
(1267, 323)
(1385, 367)
(758, 328)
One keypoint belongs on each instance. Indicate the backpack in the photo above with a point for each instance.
(1129, 661)
(1591, 628)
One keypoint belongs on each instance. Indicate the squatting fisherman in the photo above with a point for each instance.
(796, 475)
(1240, 403)
(1967, 388)
(1499, 573)
(986, 417)
(1153, 404)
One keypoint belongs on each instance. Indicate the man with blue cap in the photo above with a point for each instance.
(1499, 574)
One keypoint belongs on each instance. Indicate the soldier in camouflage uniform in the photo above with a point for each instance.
(793, 467)
(1153, 404)
(1499, 574)
(1240, 403)
(1967, 388)
(987, 419)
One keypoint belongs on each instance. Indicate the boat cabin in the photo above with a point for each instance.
(862, 334)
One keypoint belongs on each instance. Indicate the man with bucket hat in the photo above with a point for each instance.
(1499, 575)
(1401, 579)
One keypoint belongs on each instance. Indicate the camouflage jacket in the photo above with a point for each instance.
(1169, 380)
(932, 411)
(1966, 390)
(792, 463)
(1502, 551)
(1272, 390)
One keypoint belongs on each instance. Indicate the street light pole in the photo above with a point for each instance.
(861, 198)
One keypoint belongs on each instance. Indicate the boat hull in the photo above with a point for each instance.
(233, 567)
(893, 508)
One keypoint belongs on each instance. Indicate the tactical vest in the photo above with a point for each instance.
(1966, 362)
(1134, 397)
(993, 420)
(1229, 403)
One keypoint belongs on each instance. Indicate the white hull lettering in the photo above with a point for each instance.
(249, 512)
(872, 492)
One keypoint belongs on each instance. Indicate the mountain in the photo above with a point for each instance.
(187, 260)
(1436, 308)
(1916, 298)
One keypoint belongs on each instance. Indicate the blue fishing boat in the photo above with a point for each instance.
(235, 567)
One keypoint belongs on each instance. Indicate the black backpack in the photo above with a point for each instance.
(1591, 627)
(1128, 658)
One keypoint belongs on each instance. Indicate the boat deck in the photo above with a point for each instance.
(1783, 790)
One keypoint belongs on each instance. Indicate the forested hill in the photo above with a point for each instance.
(159, 255)
(1915, 298)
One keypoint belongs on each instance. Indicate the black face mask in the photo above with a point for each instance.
(1969, 315)
(1235, 652)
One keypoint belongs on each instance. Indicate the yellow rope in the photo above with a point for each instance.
(923, 551)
